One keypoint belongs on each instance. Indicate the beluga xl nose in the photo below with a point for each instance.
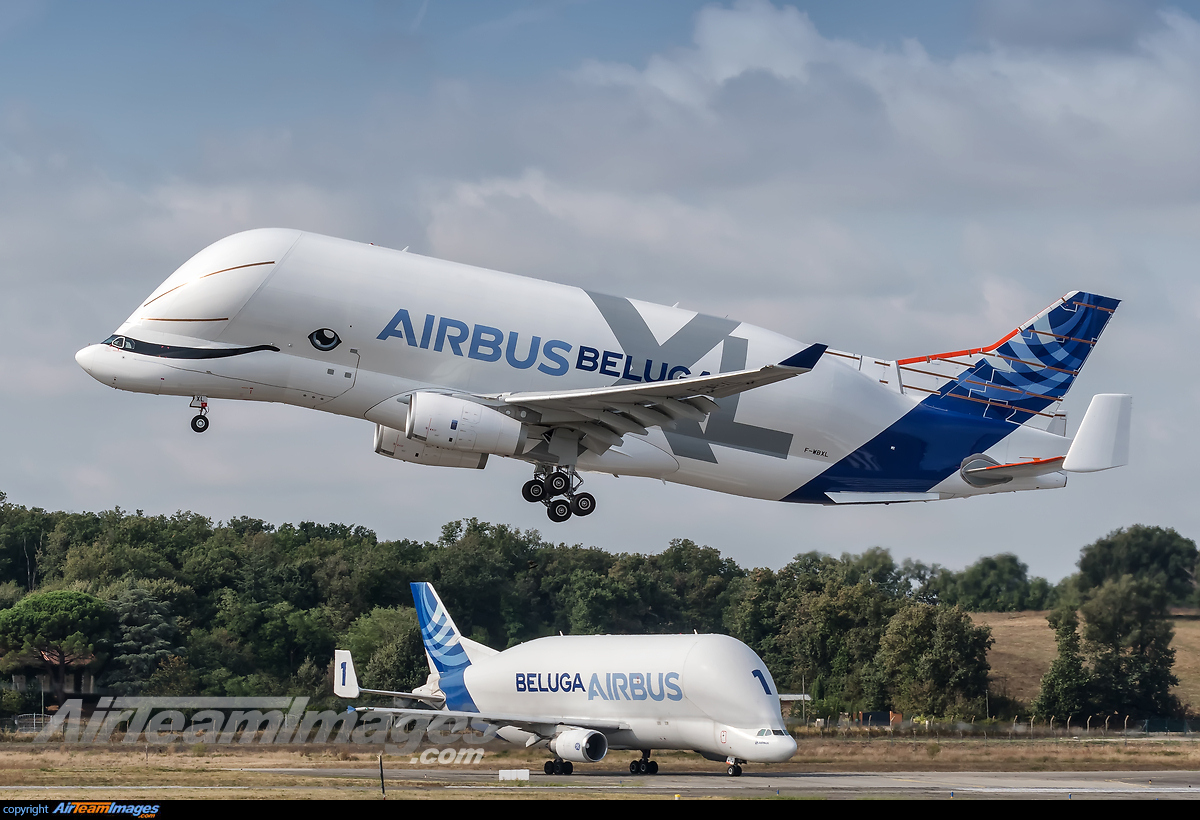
(87, 358)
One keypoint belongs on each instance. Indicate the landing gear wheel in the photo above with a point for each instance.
(549, 767)
(568, 768)
(734, 770)
(583, 504)
(533, 490)
(653, 764)
(557, 483)
(200, 423)
(558, 510)
(633, 766)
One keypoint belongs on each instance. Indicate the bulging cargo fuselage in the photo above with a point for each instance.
(362, 331)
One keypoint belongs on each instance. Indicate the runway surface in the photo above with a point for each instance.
(921, 785)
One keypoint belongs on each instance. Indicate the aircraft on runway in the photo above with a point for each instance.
(454, 364)
(581, 695)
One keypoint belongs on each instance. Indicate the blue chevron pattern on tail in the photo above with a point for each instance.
(1032, 368)
(438, 631)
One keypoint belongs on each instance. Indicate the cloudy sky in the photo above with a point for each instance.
(891, 179)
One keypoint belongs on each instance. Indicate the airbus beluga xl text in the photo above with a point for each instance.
(454, 364)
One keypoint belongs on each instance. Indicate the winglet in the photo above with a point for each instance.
(345, 682)
(806, 359)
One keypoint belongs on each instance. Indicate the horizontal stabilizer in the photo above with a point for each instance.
(1103, 438)
(981, 474)
(345, 683)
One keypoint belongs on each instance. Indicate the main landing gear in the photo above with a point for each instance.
(645, 765)
(200, 420)
(558, 766)
(559, 491)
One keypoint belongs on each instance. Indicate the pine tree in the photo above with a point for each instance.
(147, 632)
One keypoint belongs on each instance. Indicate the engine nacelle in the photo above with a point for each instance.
(458, 424)
(394, 444)
(580, 746)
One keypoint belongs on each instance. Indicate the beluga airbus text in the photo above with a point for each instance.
(580, 695)
(453, 364)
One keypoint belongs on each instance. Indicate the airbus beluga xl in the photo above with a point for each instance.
(453, 364)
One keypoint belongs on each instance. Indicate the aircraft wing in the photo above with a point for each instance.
(601, 415)
(536, 724)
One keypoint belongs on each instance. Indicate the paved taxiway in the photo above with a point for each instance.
(1021, 785)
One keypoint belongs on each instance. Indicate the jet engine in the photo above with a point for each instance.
(450, 423)
(580, 746)
(394, 444)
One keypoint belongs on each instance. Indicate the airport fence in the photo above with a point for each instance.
(1089, 728)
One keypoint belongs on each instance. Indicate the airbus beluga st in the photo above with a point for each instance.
(580, 695)
(453, 364)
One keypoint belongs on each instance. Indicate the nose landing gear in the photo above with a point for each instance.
(559, 491)
(200, 420)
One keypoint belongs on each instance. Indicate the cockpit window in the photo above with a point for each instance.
(175, 352)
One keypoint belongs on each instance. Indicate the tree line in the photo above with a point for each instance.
(177, 605)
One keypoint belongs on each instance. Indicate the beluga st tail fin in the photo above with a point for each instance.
(443, 642)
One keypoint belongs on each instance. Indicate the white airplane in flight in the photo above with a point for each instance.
(454, 364)
(581, 695)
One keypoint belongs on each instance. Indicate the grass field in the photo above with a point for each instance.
(1024, 648)
(106, 772)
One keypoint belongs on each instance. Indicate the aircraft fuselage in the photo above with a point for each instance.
(284, 316)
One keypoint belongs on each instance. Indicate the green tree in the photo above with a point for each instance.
(934, 659)
(829, 637)
(146, 635)
(387, 649)
(172, 678)
(1066, 686)
(56, 631)
(994, 583)
(1127, 639)
(379, 627)
(399, 665)
(1160, 556)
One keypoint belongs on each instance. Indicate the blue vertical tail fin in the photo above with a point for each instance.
(441, 637)
(1021, 376)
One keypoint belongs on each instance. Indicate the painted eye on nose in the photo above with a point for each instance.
(324, 339)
